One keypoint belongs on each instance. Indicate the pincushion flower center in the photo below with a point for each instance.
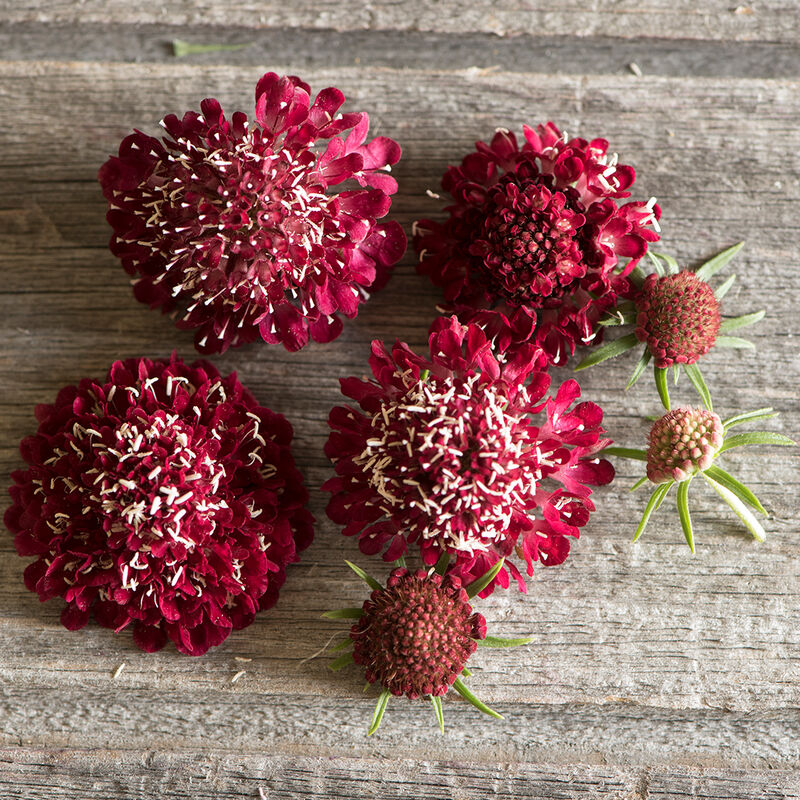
(452, 454)
(527, 242)
(247, 201)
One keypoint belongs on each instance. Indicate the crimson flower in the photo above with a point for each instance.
(164, 498)
(538, 228)
(447, 453)
(234, 224)
(414, 636)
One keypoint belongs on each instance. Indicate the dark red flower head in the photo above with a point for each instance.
(448, 453)
(678, 316)
(163, 497)
(539, 228)
(416, 635)
(235, 224)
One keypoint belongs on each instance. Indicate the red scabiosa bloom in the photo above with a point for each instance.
(164, 498)
(538, 228)
(235, 226)
(459, 454)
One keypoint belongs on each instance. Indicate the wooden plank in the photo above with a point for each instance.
(768, 20)
(30, 775)
(645, 658)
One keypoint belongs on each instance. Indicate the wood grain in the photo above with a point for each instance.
(652, 674)
(767, 20)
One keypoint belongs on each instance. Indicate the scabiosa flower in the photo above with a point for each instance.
(677, 316)
(164, 498)
(539, 228)
(685, 443)
(415, 636)
(235, 224)
(448, 453)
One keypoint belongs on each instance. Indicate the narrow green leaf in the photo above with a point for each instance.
(724, 288)
(661, 385)
(672, 264)
(441, 564)
(341, 645)
(437, 710)
(499, 641)
(676, 374)
(658, 266)
(371, 582)
(756, 437)
(696, 377)
(342, 661)
(637, 275)
(181, 48)
(380, 708)
(606, 351)
(732, 323)
(467, 695)
(625, 452)
(400, 562)
(735, 486)
(656, 499)
(683, 513)
(479, 584)
(749, 416)
(740, 509)
(639, 483)
(735, 342)
(344, 613)
(619, 318)
(467, 673)
(714, 265)
(640, 366)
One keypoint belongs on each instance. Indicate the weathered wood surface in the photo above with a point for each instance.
(653, 674)
(765, 20)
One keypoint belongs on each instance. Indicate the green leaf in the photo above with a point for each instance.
(609, 350)
(625, 452)
(732, 323)
(467, 673)
(437, 710)
(676, 374)
(499, 641)
(341, 645)
(714, 265)
(661, 385)
(756, 437)
(696, 377)
(342, 661)
(467, 695)
(639, 483)
(380, 708)
(441, 564)
(672, 264)
(735, 486)
(424, 375)
(637, 275)
(683, 512)
(181, 48)
(735, 342)
(400, 562)
(637, 372)
(656, 499)
(371, 582)
(344, 613)
(739, 508)
(724, 288)
(620, 318)
(657, 265)
(479, 584)
(749, 416)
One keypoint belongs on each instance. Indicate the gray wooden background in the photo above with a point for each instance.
(654, 674)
